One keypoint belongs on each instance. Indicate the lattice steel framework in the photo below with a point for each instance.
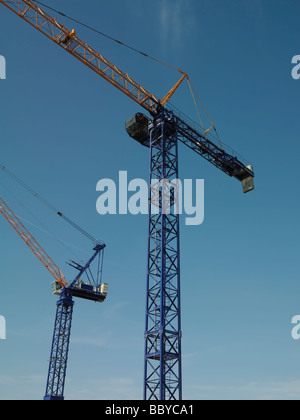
(163, 379)
(63, 322)
(163, 326)
(60, 347)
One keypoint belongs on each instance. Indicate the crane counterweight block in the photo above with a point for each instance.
(247, 179)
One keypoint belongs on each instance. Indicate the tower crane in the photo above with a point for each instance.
(160, 131)
(95, 291)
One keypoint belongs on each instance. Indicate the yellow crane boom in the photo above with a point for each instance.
(30, 241)
(69, 41)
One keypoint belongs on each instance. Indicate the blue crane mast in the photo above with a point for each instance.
(95, 291)
(91, 289)
(161, 133)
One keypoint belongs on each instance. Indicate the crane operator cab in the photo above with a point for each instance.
(138, 128)
(96, 293)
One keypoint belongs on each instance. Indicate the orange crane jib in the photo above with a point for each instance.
(70, 42)
(32, 243)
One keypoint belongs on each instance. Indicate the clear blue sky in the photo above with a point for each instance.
(62, 129)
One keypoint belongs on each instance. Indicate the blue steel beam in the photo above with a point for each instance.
(162, 370)
(60, 347)
(161, 133)
(202, 145)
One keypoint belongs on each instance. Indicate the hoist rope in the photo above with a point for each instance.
(48, 204)
(41, 227)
